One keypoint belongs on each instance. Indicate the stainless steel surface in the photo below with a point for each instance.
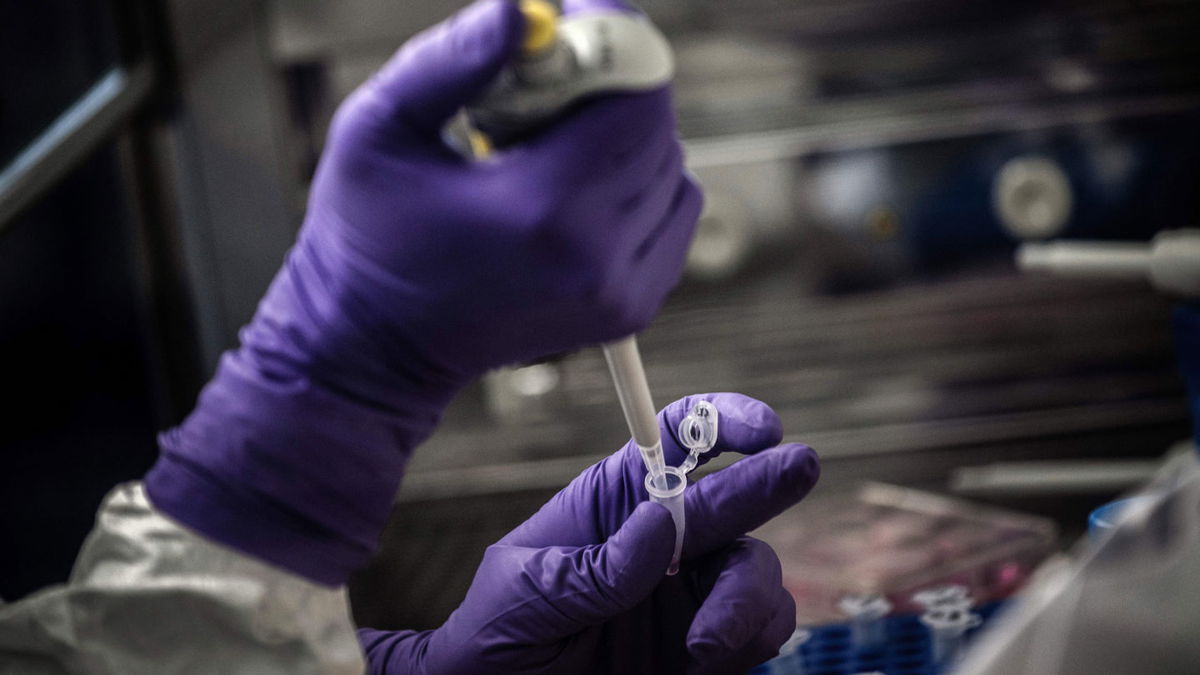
(897, 121)
(982, 359)
(904, 384)
(1047, 477)
(73, 136)
(239, 202)
(820, 130)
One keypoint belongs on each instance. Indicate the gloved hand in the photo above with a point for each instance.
(415, 271)
(580, 586)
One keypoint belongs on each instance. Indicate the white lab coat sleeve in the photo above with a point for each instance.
(149, 596)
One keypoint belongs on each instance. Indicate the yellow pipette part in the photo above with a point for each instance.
(541, 25)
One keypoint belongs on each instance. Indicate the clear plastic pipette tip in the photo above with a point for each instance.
(652, 457)
(667, 489)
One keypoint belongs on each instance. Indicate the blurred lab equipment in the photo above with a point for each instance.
(1125, 604)
(1170, 262)
(1104, 519)
(947, 625)
(97, 339)
(881, 548)
(866, 614)
(908, 648)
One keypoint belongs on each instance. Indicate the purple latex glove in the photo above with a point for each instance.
(415, 271)
(580, 586)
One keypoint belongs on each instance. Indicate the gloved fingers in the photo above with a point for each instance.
(667, 203)
(632, 291)
(778, 630)
(589, 585)
(588, 510)
(574, 6)
(637, 186)
(676, 226)
(647, 181)
(762, 647)
(725, 505)
(599, 140)
(665, 249)
(746, 614)
(445, 67)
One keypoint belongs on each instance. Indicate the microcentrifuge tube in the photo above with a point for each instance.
(866, 613)
(946, 625)
(697, 433)
(941, 596)
(668, 491)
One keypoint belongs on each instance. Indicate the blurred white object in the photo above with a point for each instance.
(1032, 197)
(1170, 262)
(521, 395)
(598, 51)
(894, 542)
(947, 624)
(724, 237)
(866, 613)
(942, 596)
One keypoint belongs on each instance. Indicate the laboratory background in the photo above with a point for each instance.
(946, 241)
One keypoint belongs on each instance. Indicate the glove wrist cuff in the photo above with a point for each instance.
(403, 651)
(288, 469)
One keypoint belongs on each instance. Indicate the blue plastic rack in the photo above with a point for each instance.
(830, 651)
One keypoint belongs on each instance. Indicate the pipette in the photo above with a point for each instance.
(697, 432)
(562, 61)
(664, 484)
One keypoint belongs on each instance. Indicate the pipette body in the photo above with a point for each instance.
(562, 61)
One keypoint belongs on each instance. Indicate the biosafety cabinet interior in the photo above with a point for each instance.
(869, 168)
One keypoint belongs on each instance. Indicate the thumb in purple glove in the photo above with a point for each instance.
(553, 592)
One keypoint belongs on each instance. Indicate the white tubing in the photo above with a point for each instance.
(1087, 258)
